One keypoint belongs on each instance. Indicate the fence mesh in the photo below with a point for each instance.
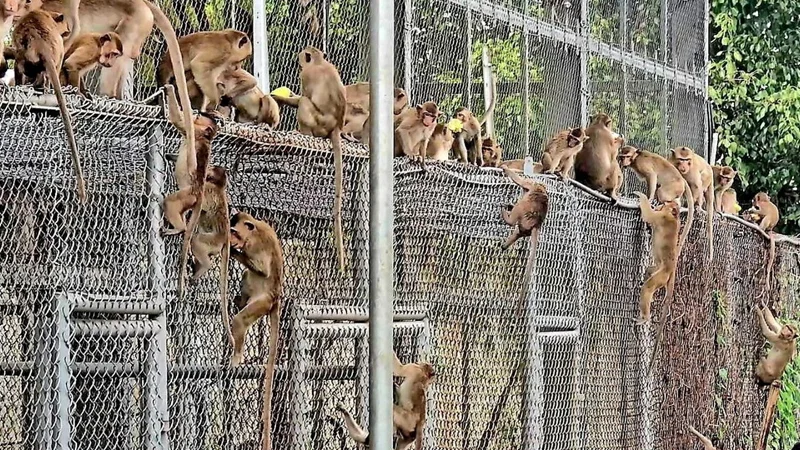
(97, 352)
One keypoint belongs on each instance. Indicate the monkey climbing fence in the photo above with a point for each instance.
(96, 352)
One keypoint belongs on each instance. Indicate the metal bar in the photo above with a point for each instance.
(83, 305)
(467, 90)
(63, 428)
(408, 48)
(381, 224)
(114, 328)
(584, 52)
(260, 44)
(356, 317)
(487, 88)
(157, 412)
(556, 33)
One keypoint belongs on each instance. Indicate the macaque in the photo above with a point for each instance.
(723, 180)
(85, 53)
(559, 154)
(231, 82)
(9, 10)
(700, 178)
(320, 113)
(596, 163)
(518, 165)
(240, 89)
(528, 214)
(413, 131)
(255, 245)
(409, 410)
(665, 223)
(39, 51)
(664, 181)
(704, 440)
(764, 211)
(492, 153)
(468, 141)
(207, 54)
(784, 346)
(440, 143)
(356, 113)
(730, 205)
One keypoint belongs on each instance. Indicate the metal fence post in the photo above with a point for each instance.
(157, 413)
(62, 427)
(381, 223)
(585, 32)
(260, 46)
(408, 25)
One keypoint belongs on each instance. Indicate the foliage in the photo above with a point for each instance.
(754, 81)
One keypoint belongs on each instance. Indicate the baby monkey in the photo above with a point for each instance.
(784, 347)
(528, 213)
(763, 212)
(665, 223)
(559, 154)
(87, 52)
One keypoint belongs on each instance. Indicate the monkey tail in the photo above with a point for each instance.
(336, 141)
(223, 279)
(52, 73)
(356, 433)
(706, 441)
(269, 375)
(710, 210)
(664, 312)
(771, 260)
(198, 190)
(164, 25)
(490, 109)
(687, 195)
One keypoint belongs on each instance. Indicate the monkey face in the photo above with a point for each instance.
(206, 126)
(10, 7)
(788, 333)
(672, 209)
(217, 176)
(310, 55)
(428, 113)
(427, 371)
(760, 198)
(242, 226)
(109, 54)
(400, 100)
(683, 164)
(627, 155)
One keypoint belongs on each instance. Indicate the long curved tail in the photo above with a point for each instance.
(225, 258)
(355, 431)
(336, 141)
(687, 195)
(710, 210)
(269, 375)
(53, 74)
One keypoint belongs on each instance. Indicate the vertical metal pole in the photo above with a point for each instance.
(381, 223)
(665, 85)
(408, 48)
(585, 63)
(623, 43)
(487, 88)
(526, 86)
(260, 48)
(468, 62)
(156, 384)
(707, 121)
(62, 361)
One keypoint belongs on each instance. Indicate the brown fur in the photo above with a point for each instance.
(440, 143)
(515, 164)
(665, 223)
(766, 211)
(492, 153)
(87, 52)
(413, 130)
(9, 10)
(409, 412)
(528, 214)
(596, 163)
(206, 55)
(256, 246)
(252, 105)
(39, 48)
(699, 176)
(704, 440)
(357, 109)
(559, 154)
(729, 201)
(784, 347)
(723, 180)
(468, 142)
(320, 113)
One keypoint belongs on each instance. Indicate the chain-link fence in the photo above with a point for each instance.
(96, 352)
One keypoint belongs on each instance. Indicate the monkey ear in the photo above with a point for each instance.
(250, 225)
(419, 108)
(58, 17)
(105, 38)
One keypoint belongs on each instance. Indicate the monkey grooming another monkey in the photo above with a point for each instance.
(207, 54)
(596, 163)
(700, 178)
(559, 154)
(413, 131)
(85, 53)
(231, 82)
(409, 410)
(704, 440)
(39, 48)
(723, 180)
(528, 213)
(320, 113)
(256, 246)
(664, 181)
(665, 223)
(784, 346)
(252, 105)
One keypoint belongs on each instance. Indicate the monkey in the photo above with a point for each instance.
(729, 202)
(664, 181)
(665, 223)
(207, 54)
(723, 180)
(596, 163)
(231, 82)
(320, 113)
(255, 245)
(559, 154)
(440, 143)
(492, 153)
(700, 178)
(10, 9)
(85, 53)
(784, 347)
(704, 440)
(468, 142)
(413, 131)
(357, 108)
(252, 105)
(133, 21)
(191, 173)
(409, 410)
(39, 48)
(518, 165)
(766, 211)
(528, 213)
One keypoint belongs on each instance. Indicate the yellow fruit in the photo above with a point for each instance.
(282, 92)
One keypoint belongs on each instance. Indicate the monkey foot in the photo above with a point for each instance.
(641, 321)
(340, 408)
(236, 360)
(170, 231)
(349, 137)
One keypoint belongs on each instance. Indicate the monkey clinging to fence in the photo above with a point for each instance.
(784, 346)
(528, 214)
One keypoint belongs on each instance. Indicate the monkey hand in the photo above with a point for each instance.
(340, 408)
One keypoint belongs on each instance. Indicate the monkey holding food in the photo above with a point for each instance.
(559, 154)
(255, 245)
(763, 212)
(409, 411)
(784, 346)
(596, 163)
